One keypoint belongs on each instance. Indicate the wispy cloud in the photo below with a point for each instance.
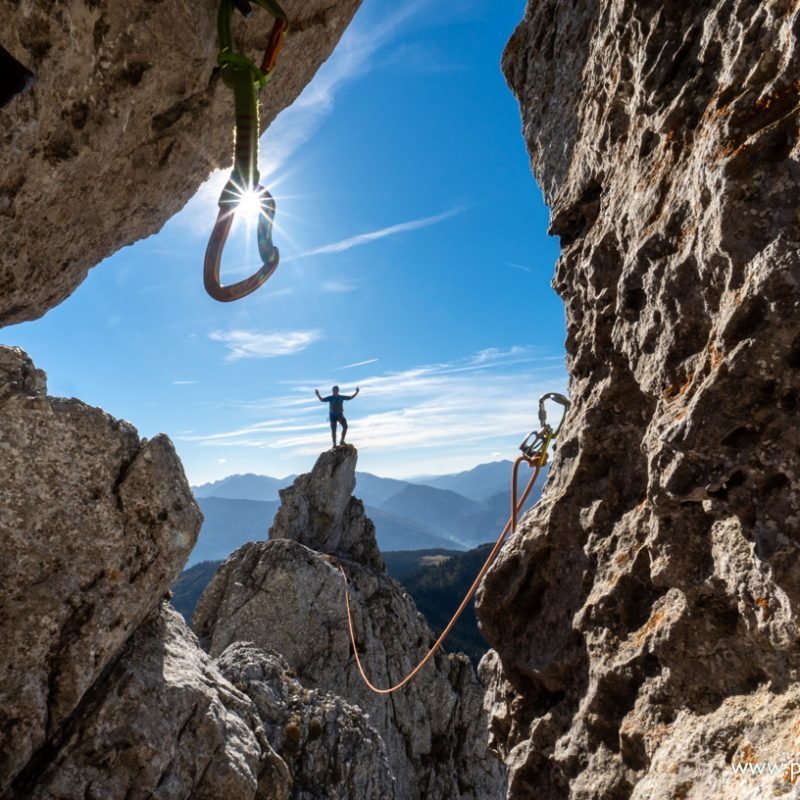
(338, 287)
(521, 267)
(358, 364)
(183, 383)
(371, 236)
(353, 57)
(483, 403)
(252, 344)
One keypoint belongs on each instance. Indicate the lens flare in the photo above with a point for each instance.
(249, 205)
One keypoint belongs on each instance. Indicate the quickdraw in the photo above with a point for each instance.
(534, 453)
(535, 445)
(245, 79)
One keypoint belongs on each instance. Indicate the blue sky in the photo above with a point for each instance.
(415, 264)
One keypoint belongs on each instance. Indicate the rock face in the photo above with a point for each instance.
(105, 692)
(319, 511)
(329, 747)
(124, 95)
(95, 526)
(645, 617)
(162, 723)
(286, 597)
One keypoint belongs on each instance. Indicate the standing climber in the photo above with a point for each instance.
(336, 401)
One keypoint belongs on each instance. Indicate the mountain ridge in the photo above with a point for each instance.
(408, 515)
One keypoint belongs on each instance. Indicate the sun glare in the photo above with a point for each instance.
(249, 206)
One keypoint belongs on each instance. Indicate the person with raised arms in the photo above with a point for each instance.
(336, 413)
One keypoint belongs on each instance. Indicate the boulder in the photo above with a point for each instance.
(95, 525)
(331, 751)
(161, 723)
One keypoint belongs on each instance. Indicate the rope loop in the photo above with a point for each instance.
(535, 459)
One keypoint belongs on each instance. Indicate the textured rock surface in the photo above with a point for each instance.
(331, 751)
(318, 509)
(645, 619)
(95, 525)
(125, 95)
(163, 723)
(286, 597)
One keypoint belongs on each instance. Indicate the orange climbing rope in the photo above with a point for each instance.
(535, 455)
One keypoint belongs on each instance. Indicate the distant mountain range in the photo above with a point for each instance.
(244, 487)
(455, 512)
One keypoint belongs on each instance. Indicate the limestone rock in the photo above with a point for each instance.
(318, 510)
(652, 596)
(163, 723)
(287, 598)
(331, 751)
(95, 525)
(125, 118)
(19, 375)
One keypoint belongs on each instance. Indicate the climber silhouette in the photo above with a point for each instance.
(336, 401)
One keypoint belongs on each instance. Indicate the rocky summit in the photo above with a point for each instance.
(287, 596)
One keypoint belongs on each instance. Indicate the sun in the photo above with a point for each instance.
(249, 205)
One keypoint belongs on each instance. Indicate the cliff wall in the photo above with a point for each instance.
(644, 620)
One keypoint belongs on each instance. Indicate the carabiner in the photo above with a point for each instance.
(270, 255)
(556, 398)
(245, 79)
(536, 442)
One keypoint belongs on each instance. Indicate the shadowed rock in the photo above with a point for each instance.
(95, 525)
(162, 723)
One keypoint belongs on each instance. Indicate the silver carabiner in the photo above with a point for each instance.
(556, 398)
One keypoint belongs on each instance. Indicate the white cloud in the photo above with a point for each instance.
(251, 344)
(222, 461)
(521, 267)
(485, 403)
(183, 383)
(372, 236)
(338, 287)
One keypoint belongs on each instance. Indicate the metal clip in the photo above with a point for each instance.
(534, 444)
(556, 398)
(270, 255)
